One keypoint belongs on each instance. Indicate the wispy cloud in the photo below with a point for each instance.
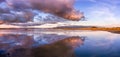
(103, 11)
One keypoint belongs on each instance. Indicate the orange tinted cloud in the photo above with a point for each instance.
(61, 8)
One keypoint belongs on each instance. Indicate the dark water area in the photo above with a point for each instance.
(37, 43)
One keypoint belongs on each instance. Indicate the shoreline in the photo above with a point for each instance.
(93, 29)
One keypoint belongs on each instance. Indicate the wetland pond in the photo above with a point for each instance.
(48, 43)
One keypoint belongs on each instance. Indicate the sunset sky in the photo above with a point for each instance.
(96, 12)
(99, 12)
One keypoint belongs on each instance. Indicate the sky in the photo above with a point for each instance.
(100, 11)
(96, 12)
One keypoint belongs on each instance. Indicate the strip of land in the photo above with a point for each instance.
(92, 28)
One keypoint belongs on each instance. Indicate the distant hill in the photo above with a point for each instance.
(77, 27)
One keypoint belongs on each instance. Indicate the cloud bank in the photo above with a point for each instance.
(23, 10)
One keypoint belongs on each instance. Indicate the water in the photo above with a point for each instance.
(58, 43)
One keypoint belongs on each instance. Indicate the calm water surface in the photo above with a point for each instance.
(39, 43)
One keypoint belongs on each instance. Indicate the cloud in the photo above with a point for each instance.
(26, 10)
(61, 8)
(8, 15)
(2, 1)
(103, 11)
(4, 8)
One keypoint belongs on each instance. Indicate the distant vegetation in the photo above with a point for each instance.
(91, 28)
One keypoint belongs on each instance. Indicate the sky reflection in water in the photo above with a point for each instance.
(59, 44)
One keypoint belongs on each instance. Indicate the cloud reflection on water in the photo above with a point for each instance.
(37, 43)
